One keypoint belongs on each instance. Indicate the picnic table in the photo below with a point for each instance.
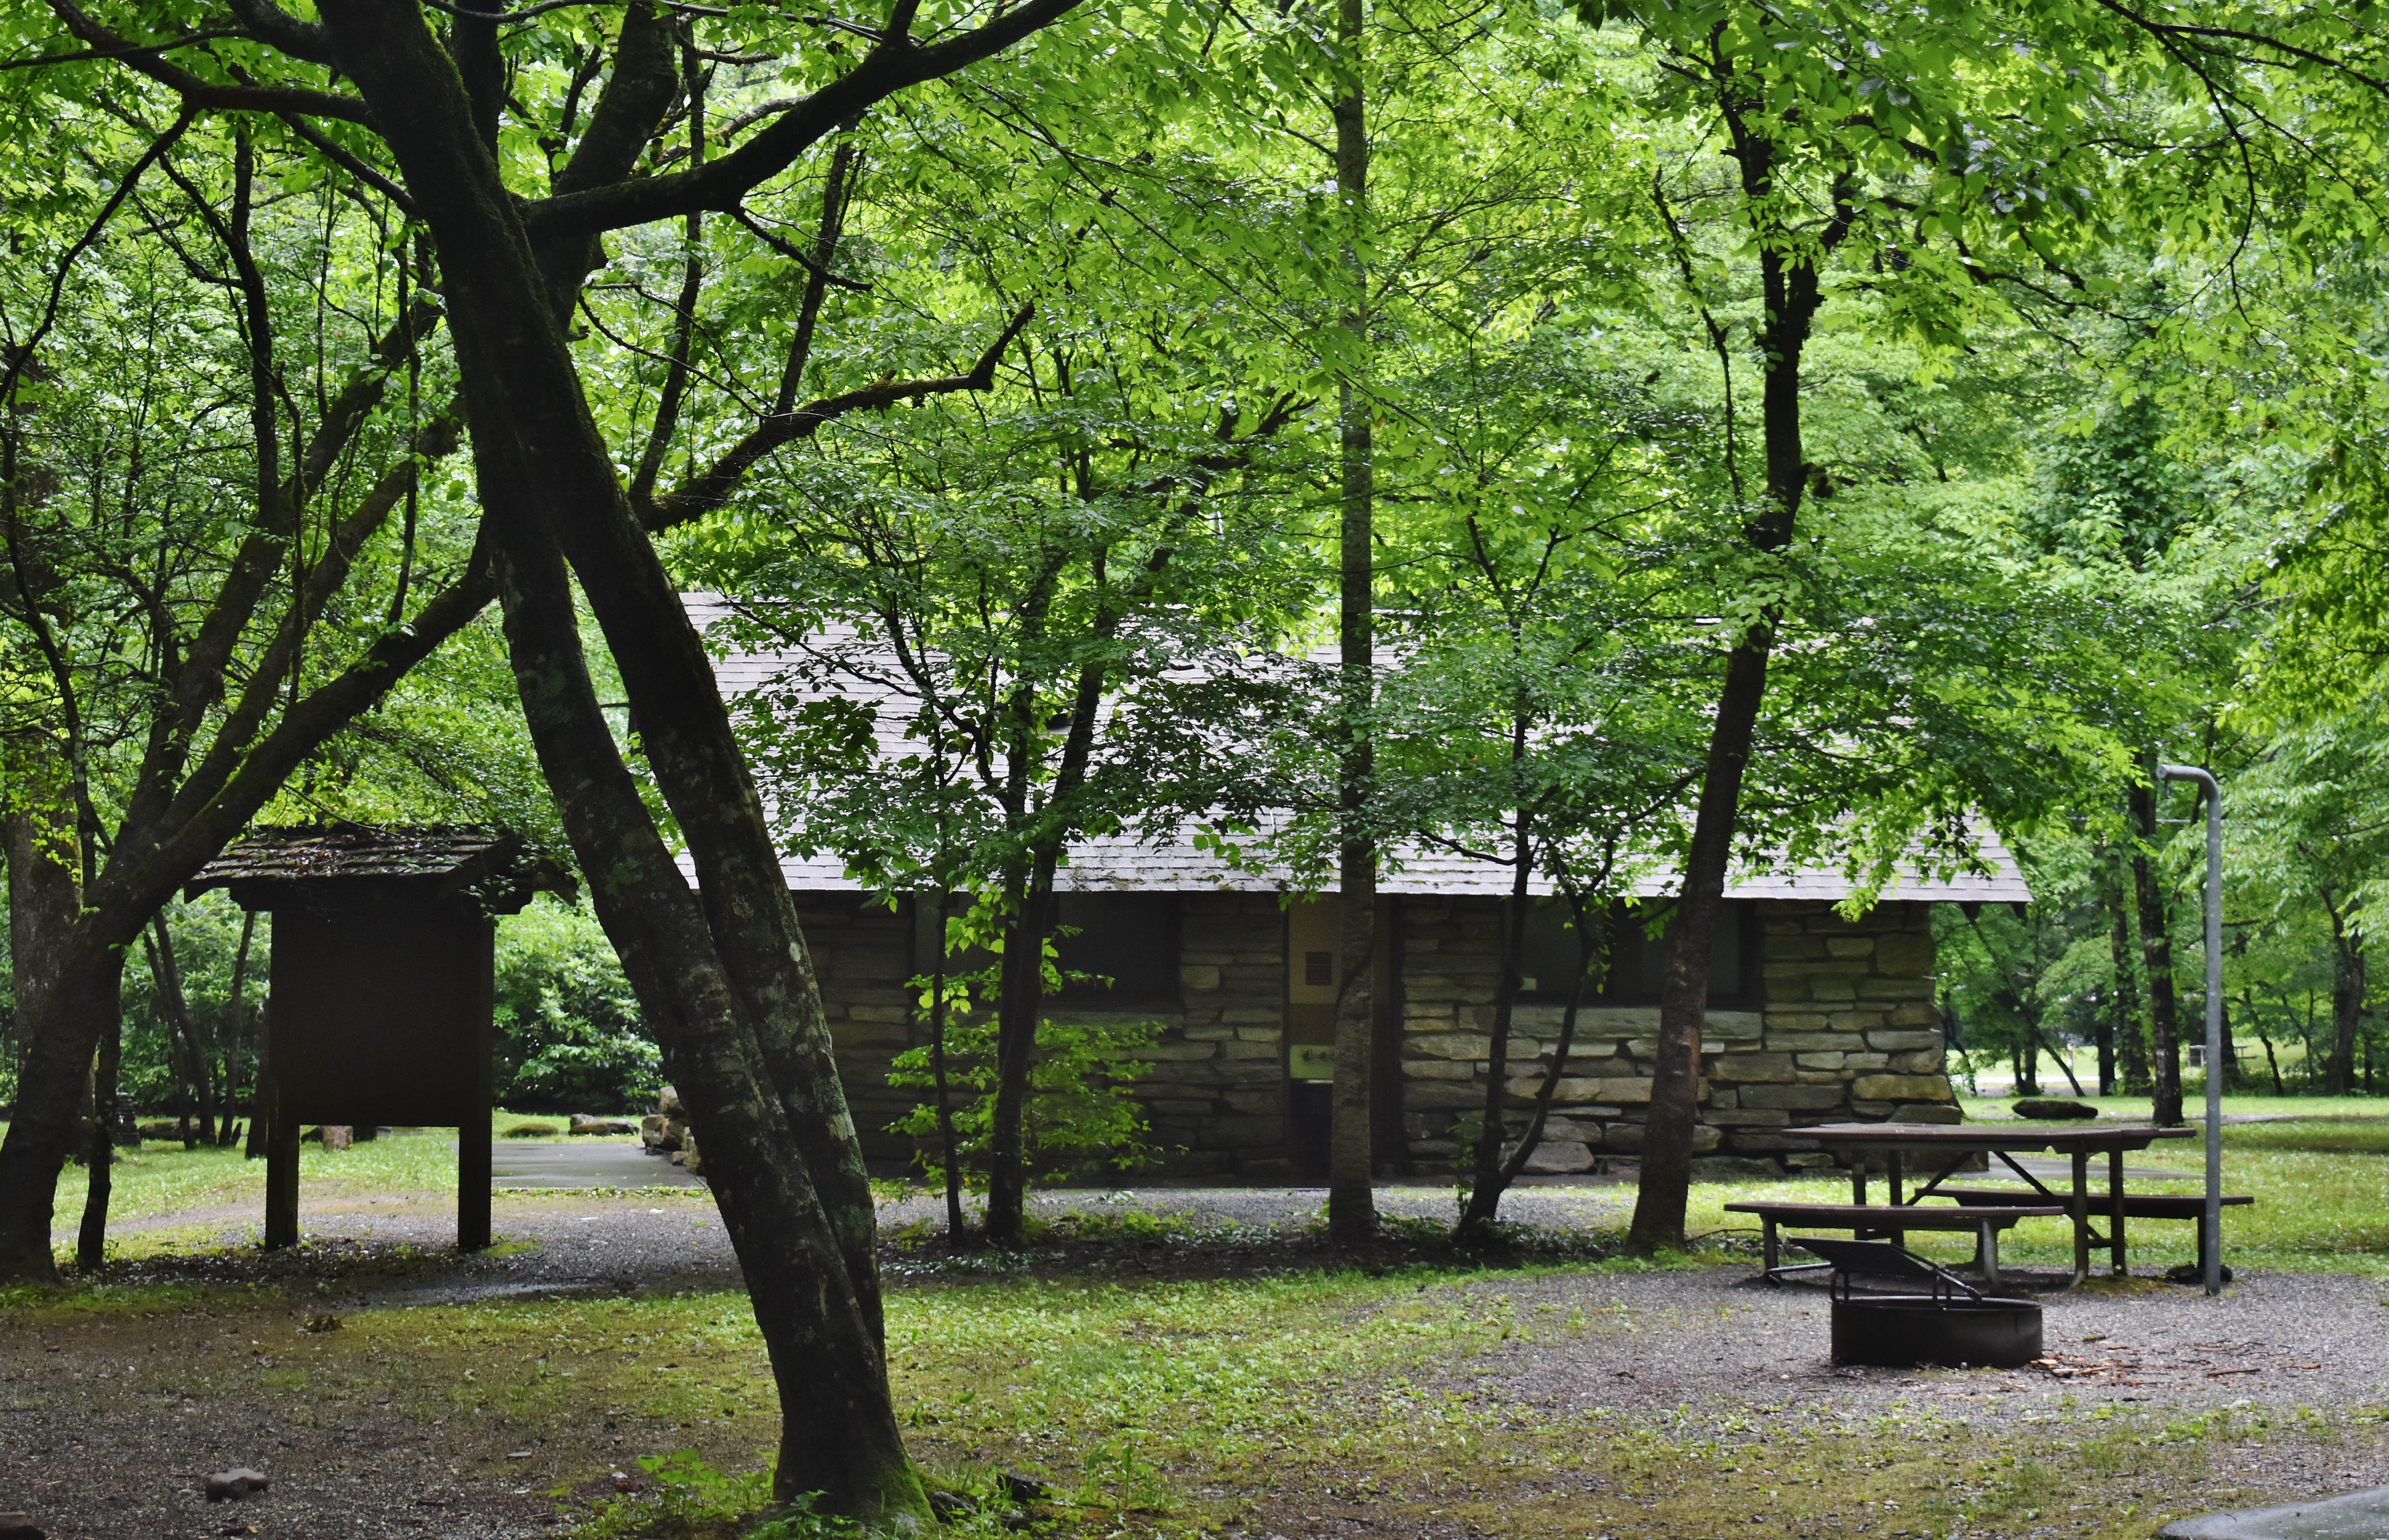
(1950, 1147)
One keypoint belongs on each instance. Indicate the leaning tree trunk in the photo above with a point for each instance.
(2156, 956)
(1663, 1192)
(1790, 297)
(726, 980)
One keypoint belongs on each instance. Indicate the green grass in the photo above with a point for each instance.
(163, 1177)
(2140, 1108)
(1184, 1408)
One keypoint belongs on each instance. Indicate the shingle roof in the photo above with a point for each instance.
(493, 868)
(1174, 863)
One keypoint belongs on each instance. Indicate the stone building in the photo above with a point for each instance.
(1813, 1018)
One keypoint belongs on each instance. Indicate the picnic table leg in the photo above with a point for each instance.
(2081, 1215)
(1986, 1246)
(1891, 1175)
(1768, 1247)
(1858, 1176)
(2117, 1265)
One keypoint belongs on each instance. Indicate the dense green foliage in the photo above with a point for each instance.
(2089, 412)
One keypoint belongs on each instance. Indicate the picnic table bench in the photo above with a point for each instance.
(2190, 1206)
(1984, 1221)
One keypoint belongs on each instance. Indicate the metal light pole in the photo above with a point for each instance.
(2211, 1222)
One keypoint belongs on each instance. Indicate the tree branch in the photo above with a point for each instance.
(718, 185)
(198, 93)
(708, 490)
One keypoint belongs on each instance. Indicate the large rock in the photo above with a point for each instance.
(235, 1484)
(1553, 1158)
(583, 1123)
(2054, 1110)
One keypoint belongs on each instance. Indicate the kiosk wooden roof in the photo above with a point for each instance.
(487, 869)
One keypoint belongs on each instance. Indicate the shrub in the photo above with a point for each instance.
(569, 1036)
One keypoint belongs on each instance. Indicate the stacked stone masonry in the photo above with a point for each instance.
(1847, 1031)
(1214, 1085)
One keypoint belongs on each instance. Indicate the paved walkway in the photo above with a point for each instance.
(530, 1164)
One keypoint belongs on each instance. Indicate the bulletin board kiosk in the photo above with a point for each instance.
(379, 1010)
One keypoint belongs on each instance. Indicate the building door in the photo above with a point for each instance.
(1310, 978)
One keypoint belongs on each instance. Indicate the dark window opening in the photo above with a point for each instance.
(1129, 939)
(1638, 957)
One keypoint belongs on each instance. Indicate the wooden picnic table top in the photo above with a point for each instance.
(1875, 1215)
(2070, 1137)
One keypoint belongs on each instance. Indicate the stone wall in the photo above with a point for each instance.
(1215, 1083)
(1848, 1032)
(1214, 1086)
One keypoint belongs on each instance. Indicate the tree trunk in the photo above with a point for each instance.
(2347, 1004)
(43, 894)
(1020, 1001)
(2131, 1048)
(1790, 297)
(75, 993)
(1665, 1189)
(99, 1152)
(1486, 1184)
(1023, 1000)
(724, 979)
(175, 1007)
(2156, 956)
(2272, 1063)
(1484, 1201)
(948, 1146)
(2065, 1066)
(232, 1034)
(1352, 1159)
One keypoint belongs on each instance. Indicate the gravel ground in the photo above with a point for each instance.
(1717, 1338)
(97, 1442)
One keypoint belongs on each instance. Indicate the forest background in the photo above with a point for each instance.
(2088, 466)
